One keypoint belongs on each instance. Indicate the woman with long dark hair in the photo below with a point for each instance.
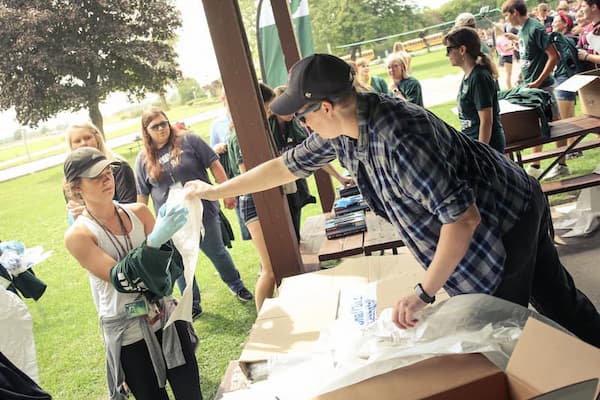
(477, 97)
(172, 157)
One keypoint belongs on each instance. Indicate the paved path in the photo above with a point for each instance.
(435, 91)
(51, 161)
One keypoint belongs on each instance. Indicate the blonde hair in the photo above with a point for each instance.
(401, 58)
(397, 47)
(93, 129)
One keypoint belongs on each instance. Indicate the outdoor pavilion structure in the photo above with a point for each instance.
(245, 103)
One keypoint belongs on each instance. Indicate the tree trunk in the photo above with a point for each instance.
(163, 101)
(96, 116)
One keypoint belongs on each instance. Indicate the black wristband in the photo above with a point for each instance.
(422, 295)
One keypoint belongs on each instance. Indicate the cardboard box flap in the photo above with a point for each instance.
(576, 82)
(506, 106)
(578, 391)
(541, 346)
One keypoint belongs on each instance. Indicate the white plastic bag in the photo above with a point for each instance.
(187, 241)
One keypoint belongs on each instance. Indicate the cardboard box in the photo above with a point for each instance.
(546, 364)
(519, 122)
(587, 84)
(308, 302)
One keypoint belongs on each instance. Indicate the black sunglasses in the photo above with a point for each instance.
(448, 48)
(301, 116)
(159, 126)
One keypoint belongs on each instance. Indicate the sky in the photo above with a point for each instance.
(195, 55)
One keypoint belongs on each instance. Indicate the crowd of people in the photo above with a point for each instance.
(476, 221)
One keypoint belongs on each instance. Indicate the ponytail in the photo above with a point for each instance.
(486, 62)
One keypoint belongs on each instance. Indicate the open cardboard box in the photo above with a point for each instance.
(588, 85)
(546, 365)
(307, 303)
(519, 122)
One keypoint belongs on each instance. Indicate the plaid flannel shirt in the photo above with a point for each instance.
(419, 173)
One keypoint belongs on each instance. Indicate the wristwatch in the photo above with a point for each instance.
(422, 295)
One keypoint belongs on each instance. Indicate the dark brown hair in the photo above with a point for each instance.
(468, 37)
(511, 5)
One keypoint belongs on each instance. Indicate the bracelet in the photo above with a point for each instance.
(586, 56)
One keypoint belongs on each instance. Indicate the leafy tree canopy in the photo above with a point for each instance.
(340, 22)
(63, 55)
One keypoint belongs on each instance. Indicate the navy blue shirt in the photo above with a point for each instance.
(194, 160)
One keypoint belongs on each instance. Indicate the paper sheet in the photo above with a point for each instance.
(187, 241)
(583, 219)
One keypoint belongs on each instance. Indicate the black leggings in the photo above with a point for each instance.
(140, 376)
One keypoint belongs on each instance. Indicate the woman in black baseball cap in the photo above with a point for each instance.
(473, 219)
(132, 267)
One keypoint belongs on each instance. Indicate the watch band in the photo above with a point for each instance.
(422, 295)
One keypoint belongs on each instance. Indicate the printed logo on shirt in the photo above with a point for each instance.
(165, 158)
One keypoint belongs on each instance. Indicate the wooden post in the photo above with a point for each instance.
(245, 103)
(291, 54)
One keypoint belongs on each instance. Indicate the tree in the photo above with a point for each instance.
(188, 89)
(70, 54)
(339, 22)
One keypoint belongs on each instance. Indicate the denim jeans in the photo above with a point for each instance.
(212, 246)
(243, 229)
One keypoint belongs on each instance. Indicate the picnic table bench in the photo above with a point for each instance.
(576, 127)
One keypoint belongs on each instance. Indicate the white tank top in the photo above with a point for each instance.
(108, 301)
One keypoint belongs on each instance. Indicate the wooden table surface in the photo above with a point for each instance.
(380, 235)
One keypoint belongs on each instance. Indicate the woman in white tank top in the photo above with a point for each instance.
(108, 240)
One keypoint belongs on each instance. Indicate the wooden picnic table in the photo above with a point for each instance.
(315, 247)
(575, 127)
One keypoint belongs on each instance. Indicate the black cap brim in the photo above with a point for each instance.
(286, 104)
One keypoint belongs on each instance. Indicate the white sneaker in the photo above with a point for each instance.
(557, 171)
(534, 171)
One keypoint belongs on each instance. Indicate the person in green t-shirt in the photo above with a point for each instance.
(538, 59)
(376, 83)
(477, 98)
(403, 85)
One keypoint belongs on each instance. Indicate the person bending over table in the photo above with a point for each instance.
(474, 219)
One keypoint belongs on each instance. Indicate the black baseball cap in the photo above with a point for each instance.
(85, 162)
(316, 77)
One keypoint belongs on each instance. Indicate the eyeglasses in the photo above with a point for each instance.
(160, 126)
(448, 48)
(105, 172)
(301, 116)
